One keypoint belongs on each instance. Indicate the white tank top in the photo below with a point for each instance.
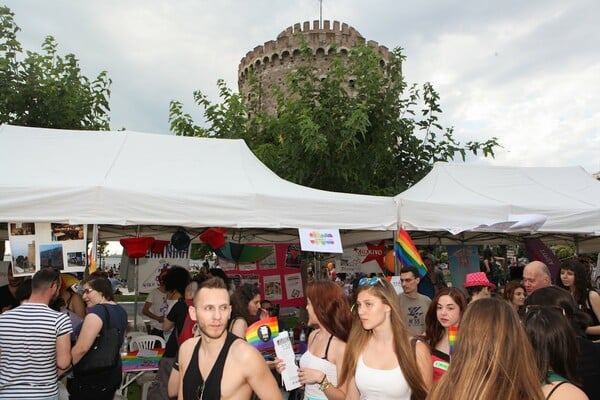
(309, 360)
(380, 384)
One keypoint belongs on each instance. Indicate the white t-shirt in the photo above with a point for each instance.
(158, 301)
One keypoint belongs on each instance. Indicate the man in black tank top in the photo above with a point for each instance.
(218, 364)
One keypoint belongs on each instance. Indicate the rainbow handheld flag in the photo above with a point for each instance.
(452, 334)
(261, 333)
(407, 253)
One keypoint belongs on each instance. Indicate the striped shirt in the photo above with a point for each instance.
(28, 351)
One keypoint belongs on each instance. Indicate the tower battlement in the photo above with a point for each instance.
(272, 59)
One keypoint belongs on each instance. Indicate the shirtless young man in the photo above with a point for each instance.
(218, 364)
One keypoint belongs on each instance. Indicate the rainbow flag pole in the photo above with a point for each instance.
(407, 253)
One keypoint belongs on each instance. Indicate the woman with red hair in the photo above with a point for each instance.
(331, 319)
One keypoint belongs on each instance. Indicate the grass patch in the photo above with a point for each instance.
(122, 298)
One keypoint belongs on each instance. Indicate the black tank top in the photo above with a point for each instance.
(194, 386)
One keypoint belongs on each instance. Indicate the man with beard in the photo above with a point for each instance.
(35, 343)
(8, 292)
(218, 364)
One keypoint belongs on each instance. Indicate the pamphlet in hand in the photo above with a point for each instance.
(285, 351)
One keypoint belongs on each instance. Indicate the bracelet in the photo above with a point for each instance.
(324, 384)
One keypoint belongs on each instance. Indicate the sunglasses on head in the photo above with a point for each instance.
(370, 281)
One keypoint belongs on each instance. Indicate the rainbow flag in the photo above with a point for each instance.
(407, 253)
(261, 333)
(452, 334)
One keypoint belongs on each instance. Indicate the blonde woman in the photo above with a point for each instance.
(382, 361)
(493, 357)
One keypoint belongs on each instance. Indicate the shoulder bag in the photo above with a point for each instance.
(104, 353)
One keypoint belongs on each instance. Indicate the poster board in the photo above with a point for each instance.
(278, 275)
(462, 260)
(366, 258)
(40, 245)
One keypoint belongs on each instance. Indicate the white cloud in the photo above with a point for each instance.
(526, 72)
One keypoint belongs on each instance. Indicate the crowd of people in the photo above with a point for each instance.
(533, 339)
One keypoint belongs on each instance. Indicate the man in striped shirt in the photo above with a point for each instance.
(35, 343)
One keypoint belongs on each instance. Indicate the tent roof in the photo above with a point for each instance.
(468, 197)
(130, 178)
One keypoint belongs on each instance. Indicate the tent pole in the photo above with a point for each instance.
(396, 262)
(94, 248)
(136, 264)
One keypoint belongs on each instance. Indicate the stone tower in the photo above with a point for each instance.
(271, 61)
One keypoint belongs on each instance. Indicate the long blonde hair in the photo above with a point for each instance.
(493, 356)
(359, 338)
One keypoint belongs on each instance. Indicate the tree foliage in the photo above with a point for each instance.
(359, 129)
(45, 89)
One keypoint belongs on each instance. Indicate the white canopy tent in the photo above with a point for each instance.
(135, 179)
(464, 199)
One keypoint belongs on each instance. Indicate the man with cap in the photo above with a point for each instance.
(478, 286)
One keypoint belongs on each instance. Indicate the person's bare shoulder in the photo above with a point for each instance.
(337, 350)
(244, 352)
(185, 350)
(567, 391)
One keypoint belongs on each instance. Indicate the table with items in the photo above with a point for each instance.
(136, 362)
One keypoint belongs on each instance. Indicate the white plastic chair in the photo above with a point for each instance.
(146, 342)
(131, 334)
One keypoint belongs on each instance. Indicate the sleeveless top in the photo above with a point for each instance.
(313, 391)
(194, 385)
(380, 384)
(589, 311)
(441, 362)
(552, 376)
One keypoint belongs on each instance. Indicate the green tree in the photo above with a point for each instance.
(47, 90)
(564, 252)
(363, 136)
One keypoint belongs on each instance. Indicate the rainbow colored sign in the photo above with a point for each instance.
(261, 333)
(320, 240)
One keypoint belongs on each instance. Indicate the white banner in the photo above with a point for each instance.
(366, 258)
(320, 240)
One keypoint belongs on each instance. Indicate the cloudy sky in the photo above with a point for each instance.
(527, 72)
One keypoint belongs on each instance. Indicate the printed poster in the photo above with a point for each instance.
(293, 256)
(272, 285)
(270, 261)
(41, 245)
(462, 260)
(293, 286)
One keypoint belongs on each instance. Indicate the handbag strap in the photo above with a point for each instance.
(106, 326)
